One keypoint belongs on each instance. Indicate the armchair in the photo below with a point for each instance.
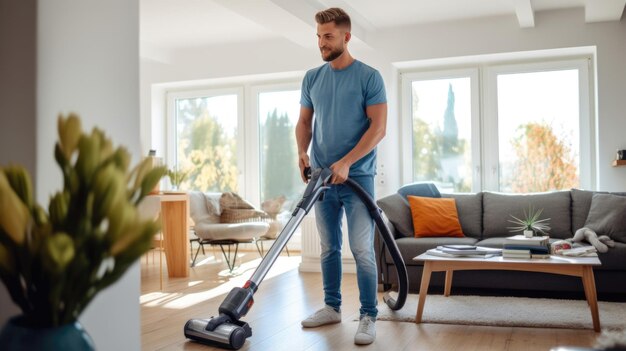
(215, 223)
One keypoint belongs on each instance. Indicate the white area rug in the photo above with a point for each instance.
(507, 311)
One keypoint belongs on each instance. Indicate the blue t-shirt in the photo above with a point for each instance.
(338, 99)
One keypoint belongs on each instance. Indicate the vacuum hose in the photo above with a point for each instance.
(376, 214)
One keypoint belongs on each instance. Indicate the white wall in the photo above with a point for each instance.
(17, 98)
(88, 62)
(386, 48)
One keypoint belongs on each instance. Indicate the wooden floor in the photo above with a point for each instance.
(286, 296)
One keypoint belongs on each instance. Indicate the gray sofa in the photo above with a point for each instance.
(484, 219)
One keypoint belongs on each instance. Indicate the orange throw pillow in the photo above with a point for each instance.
(434, 217)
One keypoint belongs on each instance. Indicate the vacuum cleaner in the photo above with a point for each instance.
(227, 330)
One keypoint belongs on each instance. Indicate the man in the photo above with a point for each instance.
(349, 103)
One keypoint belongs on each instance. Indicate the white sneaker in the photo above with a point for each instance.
(326, 315)
(366, 334)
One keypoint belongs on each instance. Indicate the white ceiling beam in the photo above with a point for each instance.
(604, 10)
(525, 13)
(276, 18)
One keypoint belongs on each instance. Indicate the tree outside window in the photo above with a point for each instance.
(280, 175)
(206, 143)
(440, 153)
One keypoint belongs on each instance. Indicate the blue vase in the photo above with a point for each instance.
(18, 335)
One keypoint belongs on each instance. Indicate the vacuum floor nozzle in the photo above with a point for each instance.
(230, 335)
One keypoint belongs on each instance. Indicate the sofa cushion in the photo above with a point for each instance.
(581, 203)
(470, 209)
(606, 216)
(434, 217)
(498, 208)
(397, 210)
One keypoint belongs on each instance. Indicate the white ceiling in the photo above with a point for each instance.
(175, 24)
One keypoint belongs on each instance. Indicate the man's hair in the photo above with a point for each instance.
(335, 15)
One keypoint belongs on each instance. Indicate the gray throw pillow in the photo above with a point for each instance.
(607, 216)
(397, 210)
(470, 210)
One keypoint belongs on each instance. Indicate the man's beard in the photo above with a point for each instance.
(333, 54)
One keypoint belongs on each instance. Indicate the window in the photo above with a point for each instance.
(279, 174)
(443, 106)
(519, 128)
(203, 139)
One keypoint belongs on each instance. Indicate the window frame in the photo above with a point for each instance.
(407, 78)
(586, 116)
(483, 78)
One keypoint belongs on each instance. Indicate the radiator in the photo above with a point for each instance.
(311, 247)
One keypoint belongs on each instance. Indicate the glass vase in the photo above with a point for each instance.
(19, 335)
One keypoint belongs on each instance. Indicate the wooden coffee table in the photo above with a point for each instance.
(572, 266)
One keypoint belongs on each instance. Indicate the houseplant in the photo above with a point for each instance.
(177, 177)
(55, 260)
(531, 225)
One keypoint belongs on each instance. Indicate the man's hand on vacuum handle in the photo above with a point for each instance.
(303, 162)
(341, 170)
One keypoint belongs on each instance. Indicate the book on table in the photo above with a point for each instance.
(459, 247)
(478, 251)
(515, 253)
(522, 240)
(533, 249)
(540, 255)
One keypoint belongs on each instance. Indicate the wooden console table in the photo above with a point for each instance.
(175, 227)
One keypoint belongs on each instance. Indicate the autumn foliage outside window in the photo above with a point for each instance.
(544, 162)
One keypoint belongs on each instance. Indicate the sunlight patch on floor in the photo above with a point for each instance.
(182, 300)
(207, 260)
(156, 299)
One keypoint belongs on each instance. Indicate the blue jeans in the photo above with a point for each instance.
(328, 214)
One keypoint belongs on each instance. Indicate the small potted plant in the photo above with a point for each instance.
(530, 225)
(177, 177)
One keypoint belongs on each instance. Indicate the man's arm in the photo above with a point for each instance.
(374, 134)
(304, 133)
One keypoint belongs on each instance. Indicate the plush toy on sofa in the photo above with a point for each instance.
(601, 243)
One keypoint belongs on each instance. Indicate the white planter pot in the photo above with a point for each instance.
(528, 233)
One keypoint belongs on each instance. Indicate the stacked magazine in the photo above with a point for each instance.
(464, 251)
